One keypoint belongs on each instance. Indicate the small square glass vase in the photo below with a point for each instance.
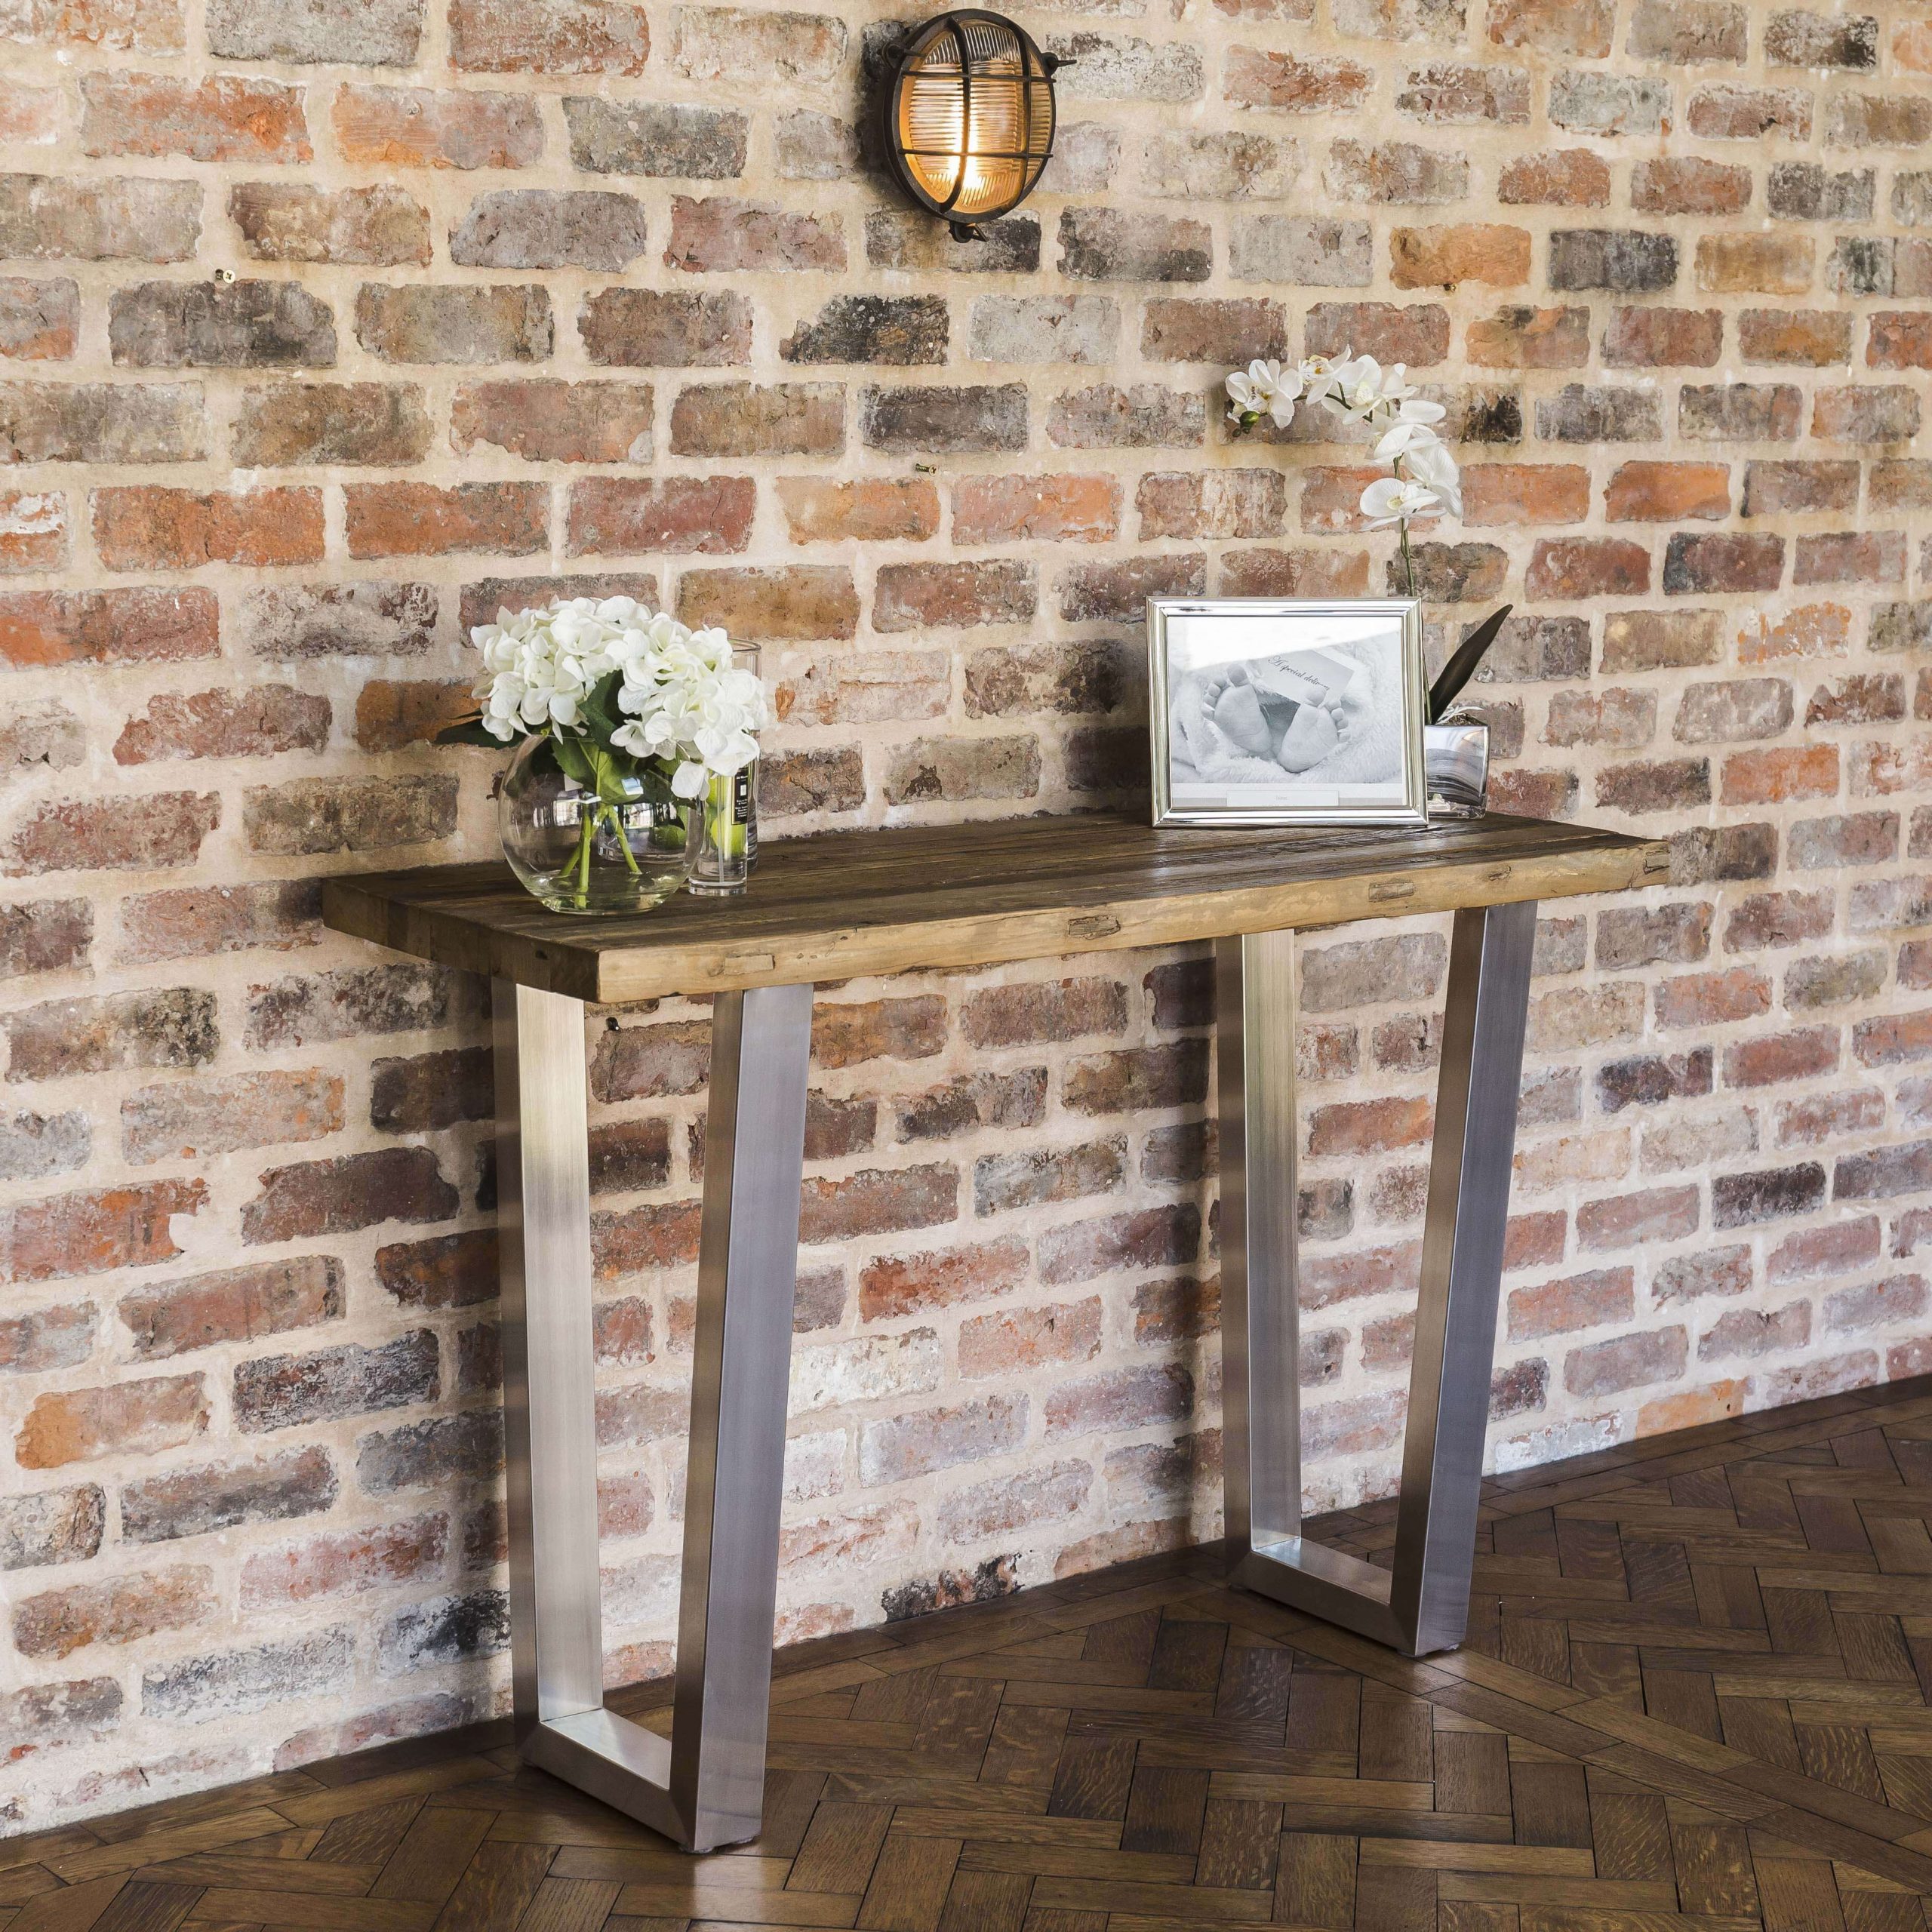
(1455, 761)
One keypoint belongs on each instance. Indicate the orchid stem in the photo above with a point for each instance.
(1408, 561)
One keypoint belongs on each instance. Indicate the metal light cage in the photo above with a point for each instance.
(969, 117)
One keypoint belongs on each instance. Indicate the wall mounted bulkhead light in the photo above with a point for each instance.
(969, 118)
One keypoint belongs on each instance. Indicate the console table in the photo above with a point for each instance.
(836, 906)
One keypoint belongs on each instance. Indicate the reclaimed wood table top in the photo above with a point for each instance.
(842, 904)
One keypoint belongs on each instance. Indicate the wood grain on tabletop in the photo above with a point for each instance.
(839, 904)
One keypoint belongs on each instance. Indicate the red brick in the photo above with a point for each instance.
(93, 1233)
(548, 421)
(851, 1033)
(792, 601)
(1527, 338)
(34, 530)
(384, 126)
(952, 595)
(1627, 1361)
(1863, 556)
(1304, 572)
(424, 519)
(1254, 78)
(224, 118)
(1369, 1127)
(549, 36)
(1771, 264)
(1445, 257)
(711, 515)
(656, 1235)
(1331, 497)
(1525, 493)
(1776, 487)
(721, 234)
(1010, 1343)
(1812, 338)
(1329, 1278)
(261, 723)
(196, 1120)
(1049, 509)
(1663, 338)
(1562, 569)
(147, 527)
(1772, 777)
(1705, 999)
(1813, 1252)
(39, 320)
(1572, 178)
(1812, 630)
(874, 1201)
(1699, 564)
(1417, 336)
(133, 1418)
(1778, 1057)
(1553, 26)
(345, 1562)
(1649, 492)
(870, 510)
(392, 713)
(354, 1191)
(896, 1285)
(1122, 1398)
(119, 1609)
(1686, 184)
(232, 1304)
(1579, 1301)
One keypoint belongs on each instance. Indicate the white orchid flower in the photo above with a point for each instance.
(1264, 389)
(1404, 436)
(1390, 500)
(1431, 466)
(1318, 374)
(1358, 386)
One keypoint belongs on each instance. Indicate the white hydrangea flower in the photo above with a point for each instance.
(689, 705)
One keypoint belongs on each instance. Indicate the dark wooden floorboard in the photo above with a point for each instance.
(1696, 1697)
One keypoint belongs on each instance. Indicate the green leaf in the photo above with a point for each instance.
(657, 782)
(573, 759)
(598, 709)
(467, 731)
(608, 773)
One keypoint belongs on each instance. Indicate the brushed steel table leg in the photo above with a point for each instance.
(702, 1787)
(1422, 1604)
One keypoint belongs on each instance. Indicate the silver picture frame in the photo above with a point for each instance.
(1401, 799)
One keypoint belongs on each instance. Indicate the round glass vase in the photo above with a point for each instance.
(579, 853)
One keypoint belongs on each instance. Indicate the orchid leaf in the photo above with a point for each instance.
(468, 731)
(1462, 667)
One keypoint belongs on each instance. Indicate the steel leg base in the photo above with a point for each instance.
(1422, 1604)
(704, 1787)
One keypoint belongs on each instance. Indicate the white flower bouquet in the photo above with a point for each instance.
(1423, 479)
(628, 704)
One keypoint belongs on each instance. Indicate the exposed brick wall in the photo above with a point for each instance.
(592, 292)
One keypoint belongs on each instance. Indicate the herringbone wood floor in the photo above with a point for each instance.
(1697, 1698)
